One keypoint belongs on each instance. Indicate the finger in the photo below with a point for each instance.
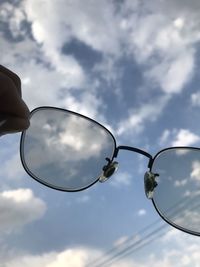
(11, 124)
(13, 76)
(10, 101)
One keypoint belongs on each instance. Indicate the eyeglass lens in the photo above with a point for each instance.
(64, 150)
(176, 197)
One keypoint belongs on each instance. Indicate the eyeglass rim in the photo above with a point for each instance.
(115, 153)
(22, 157)
(153, 201)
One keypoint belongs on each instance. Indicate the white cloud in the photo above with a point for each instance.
(179, 23)
(185, 252)
(179, 250)
(189, 219)
(173, 75)
(51, 34)
(185, 138)
(12, 168)
(195, 174)
(181, 137)
(179, 183)
(148, 36)
(142, 212)
(164, 137)
(195, 99)
(109, 70)
(137, 119)
(18, 208)
(88, 25)
(88, 105)
(68, 137)
(15, 17)
(76, 257)
(151, 33)
(164, 42)
(43, 86)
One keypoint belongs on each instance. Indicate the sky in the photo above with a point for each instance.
(131, 65)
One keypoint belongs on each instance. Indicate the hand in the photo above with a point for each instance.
(14, 113)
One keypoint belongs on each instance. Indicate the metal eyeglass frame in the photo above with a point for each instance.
(110, 168)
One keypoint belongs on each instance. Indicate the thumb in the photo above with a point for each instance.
(12, 124)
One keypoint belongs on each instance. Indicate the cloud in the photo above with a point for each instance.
(65, 136)
(11, 169)
(185, 137)
(51, 35)
(44, 77)
(41, 85)
(186, 245)
(164, 137)
(170, 247)
(50, 79)
(142, 212)
(180, 183)
(195, 174)
(14, 173)
(172, 76)
(88, 25)
(153, 33)
(89, 104)
(18, 208)
(76, 257)
(184, 252)
(138, 118)
(147, 37)
(109, 71)
(15, 17)
(181, 137)
(195, 99)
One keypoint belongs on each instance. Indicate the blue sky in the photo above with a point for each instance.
(132, 66)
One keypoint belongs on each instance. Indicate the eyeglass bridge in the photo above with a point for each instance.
(149, 178)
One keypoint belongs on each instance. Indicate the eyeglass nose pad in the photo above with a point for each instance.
(150, 183)
(108, 171)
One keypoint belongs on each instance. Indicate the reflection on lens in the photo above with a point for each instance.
(65, 150)
(177, 195)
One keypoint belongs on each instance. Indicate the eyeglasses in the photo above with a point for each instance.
(67, 151)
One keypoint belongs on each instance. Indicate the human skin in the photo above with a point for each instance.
(14, 113)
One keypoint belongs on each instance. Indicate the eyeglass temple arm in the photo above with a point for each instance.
(134, 149)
